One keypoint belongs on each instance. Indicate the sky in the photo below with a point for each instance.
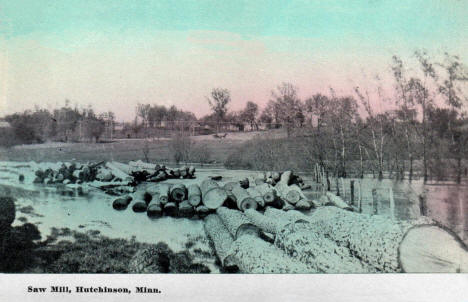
(115, 54)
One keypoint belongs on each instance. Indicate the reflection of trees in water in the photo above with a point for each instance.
(452, 202)
(405, 198)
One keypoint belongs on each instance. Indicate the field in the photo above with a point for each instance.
(127, 149)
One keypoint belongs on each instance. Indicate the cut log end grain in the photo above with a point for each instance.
(178, 192)
(236, 222)
(194, 194)
(293, 196)
(215, 198)
(431, 249)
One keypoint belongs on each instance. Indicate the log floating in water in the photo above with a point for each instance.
(122, 202)
(212, 195)
(194, 194)
(139, 206)
(222, 240)
(154, 208)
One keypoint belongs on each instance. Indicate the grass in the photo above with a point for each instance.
(122, 150)
(90, 253)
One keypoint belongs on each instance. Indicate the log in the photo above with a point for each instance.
(202, 211)
(244, 183)
(212, 195)
(154, 208)
(268, 193)
(139, 207)
(236, 222)
(143, 166)
(104, 174)
(264, 223)
(255, 194)
(288, 193)
(307, 244)
(394, 246)
(163, 190)
(222, 240)
(286, 177)
(276, 176)
(122, 203)
(244, 200)
(117, 172)
(191, 171)
(127, 169)
(255, 256)
(170, 209)
(294, 194)
(337, 201)
(186, 209)
(230, 185)
(303, 204)
(194, 194)
(178, 192)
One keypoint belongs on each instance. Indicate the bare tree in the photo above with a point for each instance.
(219, 100)
(288, 105)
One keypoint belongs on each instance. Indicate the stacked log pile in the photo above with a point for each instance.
(112, 177)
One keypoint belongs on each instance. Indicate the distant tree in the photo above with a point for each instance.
(142, 111)
(249, 114)
(288, 106)
(406, 112)
(456, 75)
(219, 100)
(419, 93)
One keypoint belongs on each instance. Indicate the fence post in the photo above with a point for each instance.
(337, 187)
(374, 202)
(360, 196)
(422, 205)
(343, 189)
(351, 188)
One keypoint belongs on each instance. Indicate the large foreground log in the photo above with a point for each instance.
(393, 246)
(212, 195)
(236, 222)
(221, 238)
(255, 256)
